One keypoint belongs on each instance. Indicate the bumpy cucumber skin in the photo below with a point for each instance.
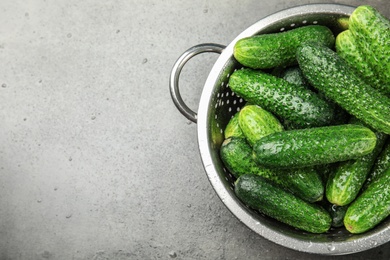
(294, 105)
(233, 127)
(372, 30)
(331, 75)
(346, 47)
(314, 146)
(382, 163)
(261, 194)
(370, 207)
(345, 183)
(292, 74)
(256, 123)
(304, 183)
(278, 49)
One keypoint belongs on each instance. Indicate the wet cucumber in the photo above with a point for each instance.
(382, 163)
(236, 154)
(372, 31)
(314, 146)
(370, 207)
(263, 195)
(345, 183)
(294, 105)
(256, 123)
(330, 74)
(278, 49)
(346, 47)
(233, 127)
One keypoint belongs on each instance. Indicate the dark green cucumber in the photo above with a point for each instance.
(347, 48)
(278, 49)
(382, 163)
(256, 123)
(331, 75)
(314, 146)
(337, 213)
(295, 105)
(233, 127)
(370, 207)
(263, 195)
(292, 74)
(345, 183)
(304, 183)
(372, 31)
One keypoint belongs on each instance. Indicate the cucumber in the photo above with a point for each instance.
(294, 105)
(256, 123)
(278, 49)
(372, 31)
(330, 74)
(345, 182)
(313, 146)
(346, 48)
(263, 195)
(337, 213)
(233, 127)
(371, 207)
(382, 163)
(292, 74)
(304, 183)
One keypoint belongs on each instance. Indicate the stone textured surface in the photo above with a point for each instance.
(95, 160)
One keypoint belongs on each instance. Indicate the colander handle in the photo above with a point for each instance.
(175, 74)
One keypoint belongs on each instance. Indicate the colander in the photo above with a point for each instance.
(218, 104)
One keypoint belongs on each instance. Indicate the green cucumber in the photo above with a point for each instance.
(337, 213)
(263, 195)
(294, 105)
(330, 74)
(372, 31)
(382, 163)
(292, 74)
(314, 146)
(346, 48)
(256, 123)
(370, 207)
(278, 49)
(345, 183)
(233, 127)
(304, 183)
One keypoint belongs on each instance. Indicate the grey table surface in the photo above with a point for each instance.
(95, 160)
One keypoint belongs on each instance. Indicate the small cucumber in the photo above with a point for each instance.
(346, 48)
(278, 49)
(313, 146)
(233, 127)
(293, 104)
(263, 195)
(256, 123)
(345, 182)
(370, 207)
(372, 31)
(331, 75)
(292, 74)
(382, 163)
(304, 183)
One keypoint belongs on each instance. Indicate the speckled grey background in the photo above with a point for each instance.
(95, 160)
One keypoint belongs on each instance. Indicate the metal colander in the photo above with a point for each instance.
(218, 104)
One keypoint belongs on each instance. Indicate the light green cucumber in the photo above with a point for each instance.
(233, 127)
(372, 32)
(256, 123)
